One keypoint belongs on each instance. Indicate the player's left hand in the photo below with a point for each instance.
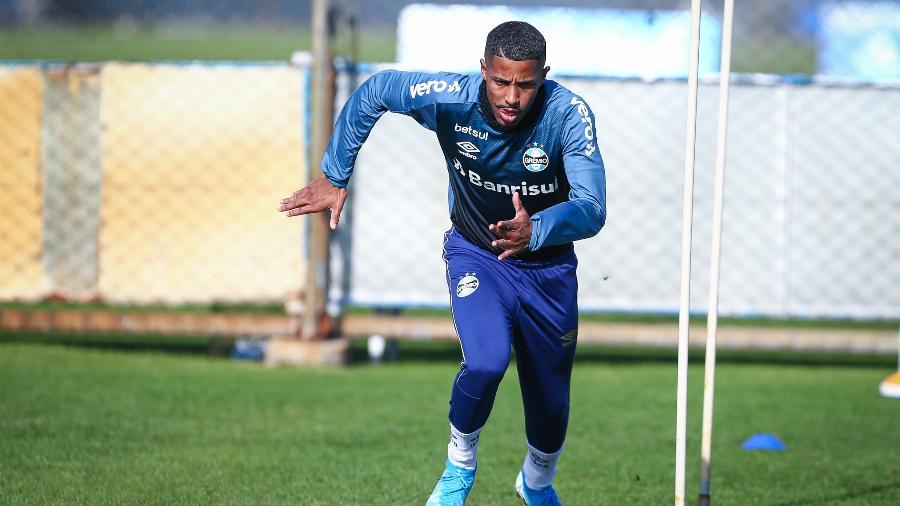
(514, 234)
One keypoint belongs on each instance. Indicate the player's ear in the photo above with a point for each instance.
(546, 69)
(483, 70)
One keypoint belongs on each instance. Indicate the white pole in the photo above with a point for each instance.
(686, 224)
(712, 322)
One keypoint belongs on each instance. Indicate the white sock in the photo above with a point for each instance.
(463, 448)
(539, 468)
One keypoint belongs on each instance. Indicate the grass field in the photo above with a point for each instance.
(99, 427)
(137, 43)
(98, 43)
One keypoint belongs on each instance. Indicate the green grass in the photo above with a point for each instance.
(98, 43)
(775, 56)
(103, 427)
(103, 42)
(125, 341)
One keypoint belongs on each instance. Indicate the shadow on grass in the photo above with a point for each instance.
(439, 351)
(448, 351)
(877, 489)
(205, 345)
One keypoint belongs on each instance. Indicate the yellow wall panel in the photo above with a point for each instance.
(21, 100)
(195, 161)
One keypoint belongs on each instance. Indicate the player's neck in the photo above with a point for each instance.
(488, 112)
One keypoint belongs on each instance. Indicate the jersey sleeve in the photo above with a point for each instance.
(584, 214)
(414, 94)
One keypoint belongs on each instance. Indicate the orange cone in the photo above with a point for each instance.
(890, 387)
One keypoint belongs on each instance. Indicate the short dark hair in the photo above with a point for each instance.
(516, 40)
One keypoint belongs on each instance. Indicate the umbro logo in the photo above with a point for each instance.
(467, 149)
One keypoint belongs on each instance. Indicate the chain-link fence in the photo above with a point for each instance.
(812, 213)
(156, 182)
(150, 183)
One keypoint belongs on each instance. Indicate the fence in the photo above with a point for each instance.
(150, 183)
(812, 215)
(157, 182)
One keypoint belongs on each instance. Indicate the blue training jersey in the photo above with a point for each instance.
(551, 157)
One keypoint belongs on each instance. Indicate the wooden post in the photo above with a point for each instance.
(322, 125)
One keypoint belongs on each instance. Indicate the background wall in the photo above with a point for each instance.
(152, 180)
(812, 209)
(152, 183)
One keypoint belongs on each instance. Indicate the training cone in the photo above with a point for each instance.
(890, 387)
(765, 442)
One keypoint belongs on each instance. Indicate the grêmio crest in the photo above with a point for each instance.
(535, 159)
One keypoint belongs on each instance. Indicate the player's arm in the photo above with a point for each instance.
(411, 93)
(585, 212)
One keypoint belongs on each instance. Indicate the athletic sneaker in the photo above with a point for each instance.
(453, 487)
(531, 497)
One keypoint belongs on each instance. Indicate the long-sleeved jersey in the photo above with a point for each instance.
(551, 157)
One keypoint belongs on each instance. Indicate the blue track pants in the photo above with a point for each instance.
(528, 306)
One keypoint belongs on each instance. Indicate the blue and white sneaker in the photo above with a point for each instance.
(531, 497)
(453, 487)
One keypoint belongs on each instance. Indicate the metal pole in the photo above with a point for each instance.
(686, 224)
(709, 379)
(322, 124)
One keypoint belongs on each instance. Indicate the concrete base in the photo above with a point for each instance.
(287, 351)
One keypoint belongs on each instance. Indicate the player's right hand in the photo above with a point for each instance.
(515, 234)
(315, 197)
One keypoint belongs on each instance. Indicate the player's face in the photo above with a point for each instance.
(511, 87)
